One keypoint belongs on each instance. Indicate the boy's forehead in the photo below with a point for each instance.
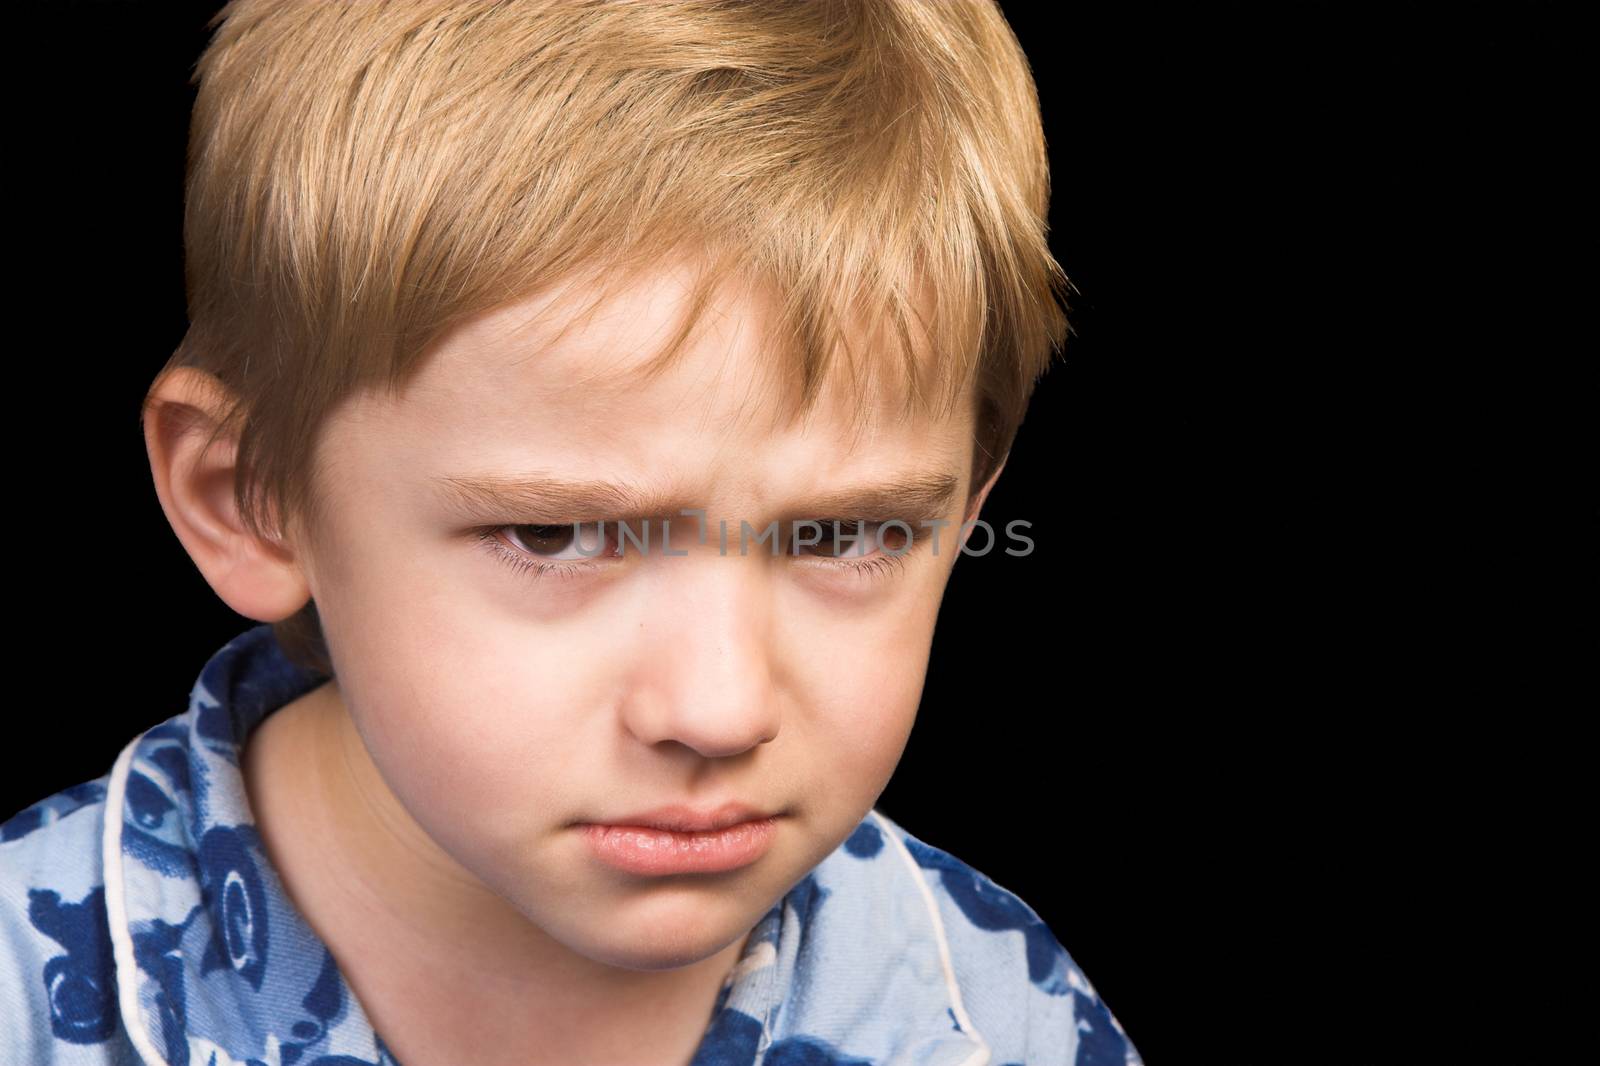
(568, 340)
(578, 354)
(540, 406)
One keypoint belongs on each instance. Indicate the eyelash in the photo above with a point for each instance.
(523, 563)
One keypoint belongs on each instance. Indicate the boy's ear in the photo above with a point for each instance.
(259, 578)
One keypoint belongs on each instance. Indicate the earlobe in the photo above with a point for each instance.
(195, 479)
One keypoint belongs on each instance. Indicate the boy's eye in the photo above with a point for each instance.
(850, 538)
(578, 550)
(569, 541)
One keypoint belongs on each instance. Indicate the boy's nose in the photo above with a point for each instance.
(708, 680)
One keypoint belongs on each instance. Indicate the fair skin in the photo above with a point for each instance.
(479, 712)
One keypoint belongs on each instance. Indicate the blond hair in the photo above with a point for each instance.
(364, 176)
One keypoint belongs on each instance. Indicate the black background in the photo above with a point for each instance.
(1212, 729)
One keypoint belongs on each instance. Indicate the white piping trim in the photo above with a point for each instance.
(980, 1057)
(127, 968)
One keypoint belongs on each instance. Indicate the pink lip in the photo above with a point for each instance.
(675, 840)
(681, 818)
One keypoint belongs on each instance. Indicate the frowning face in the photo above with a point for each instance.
(511, 684)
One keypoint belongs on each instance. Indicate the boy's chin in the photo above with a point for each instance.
(649, 942)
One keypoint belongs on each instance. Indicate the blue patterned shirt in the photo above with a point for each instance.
(162, 935)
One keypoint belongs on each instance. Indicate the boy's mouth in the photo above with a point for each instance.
(653, 851)
(681, 818)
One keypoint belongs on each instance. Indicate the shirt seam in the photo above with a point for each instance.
(980, 1056)
(127, 970)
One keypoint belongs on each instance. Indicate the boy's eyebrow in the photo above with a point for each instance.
(555, 499)
(558, 500)
(911, 499)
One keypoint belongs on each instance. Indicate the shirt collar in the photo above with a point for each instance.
(213, 959)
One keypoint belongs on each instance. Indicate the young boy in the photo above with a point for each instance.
(535, 348)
